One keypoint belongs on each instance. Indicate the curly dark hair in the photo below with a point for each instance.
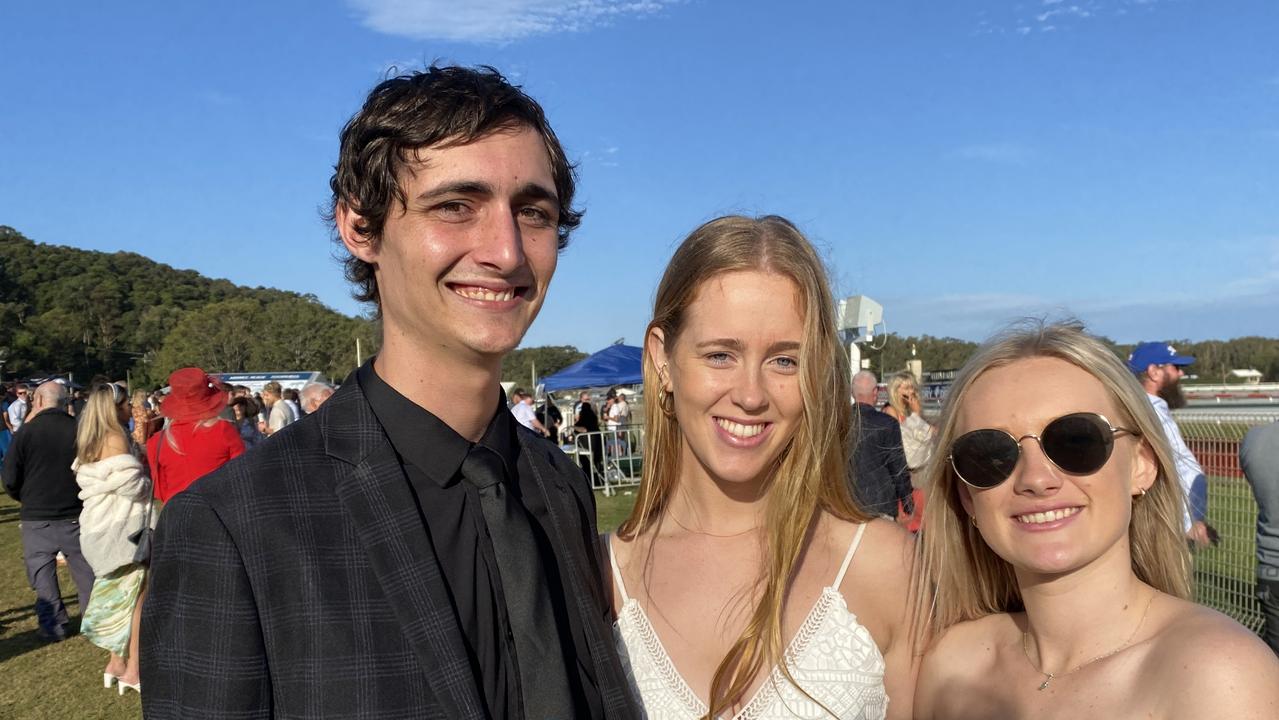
(440, 107)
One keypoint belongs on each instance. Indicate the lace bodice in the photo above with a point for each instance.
(832, 657)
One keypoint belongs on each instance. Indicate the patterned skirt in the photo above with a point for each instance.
(109, 617)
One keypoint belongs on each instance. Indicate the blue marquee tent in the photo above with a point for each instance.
(614, 365)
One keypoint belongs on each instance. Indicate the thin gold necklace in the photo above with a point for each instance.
(1049, 677)
(711, 534)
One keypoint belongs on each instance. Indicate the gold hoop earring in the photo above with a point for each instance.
(973, 519)
(666, 402)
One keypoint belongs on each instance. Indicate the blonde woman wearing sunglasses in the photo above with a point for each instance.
(1060, 577)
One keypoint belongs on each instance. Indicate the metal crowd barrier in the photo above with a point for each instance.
(610, 458)
(1225, 574)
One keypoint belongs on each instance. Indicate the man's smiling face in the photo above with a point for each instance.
(463, 268)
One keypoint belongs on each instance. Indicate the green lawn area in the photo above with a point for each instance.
(1225, 574)
(611, 511)
(41, 681)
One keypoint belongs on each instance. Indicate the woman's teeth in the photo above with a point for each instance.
(1046, 517)
(739, 430)
(479, 293)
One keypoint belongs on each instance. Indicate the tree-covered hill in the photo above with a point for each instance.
(68, 310)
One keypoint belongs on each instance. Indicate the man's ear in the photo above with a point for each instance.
(655, 345)
(348, 223)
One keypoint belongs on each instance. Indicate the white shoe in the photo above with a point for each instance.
(136, 687)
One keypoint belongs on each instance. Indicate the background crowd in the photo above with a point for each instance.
(92, 468)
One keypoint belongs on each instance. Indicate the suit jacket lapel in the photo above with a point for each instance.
(581, 579)
(375, 494)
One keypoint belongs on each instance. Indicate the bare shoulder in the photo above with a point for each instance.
(610, 547)
(114, 444)
(877, 585)
(959, 660)
(886, 552)
(1211, 666)
(975, 640)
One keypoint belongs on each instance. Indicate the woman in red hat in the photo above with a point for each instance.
(196, 441)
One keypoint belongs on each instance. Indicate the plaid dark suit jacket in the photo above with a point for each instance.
(297, 582)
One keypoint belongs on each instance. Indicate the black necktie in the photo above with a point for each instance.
(539, 657)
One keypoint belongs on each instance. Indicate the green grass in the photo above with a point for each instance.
(611, 511)
(39, 680)
(1225, 575)
(42, 681)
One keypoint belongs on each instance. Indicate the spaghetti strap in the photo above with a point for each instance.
(839, 579)
(617, 572)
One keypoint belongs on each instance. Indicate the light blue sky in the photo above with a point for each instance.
(962, 162)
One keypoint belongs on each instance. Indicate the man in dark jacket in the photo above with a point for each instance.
(37, 473)
(408, 550)
(880, 478)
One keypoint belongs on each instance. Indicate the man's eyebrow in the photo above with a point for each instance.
(534, 191)
(528, 191)
(461, 187)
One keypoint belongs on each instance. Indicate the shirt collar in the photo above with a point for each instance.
(427, 442)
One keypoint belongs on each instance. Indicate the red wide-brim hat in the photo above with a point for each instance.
(193, 395)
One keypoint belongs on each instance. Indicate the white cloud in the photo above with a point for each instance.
(495, 21)
(1246, 305)
(1050, 15)
(1069, 10)
(606, 157)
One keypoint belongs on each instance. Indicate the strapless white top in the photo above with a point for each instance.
(832, 657)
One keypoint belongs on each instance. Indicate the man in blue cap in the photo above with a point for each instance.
(1159, 370)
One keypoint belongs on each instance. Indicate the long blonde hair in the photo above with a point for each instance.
(810, 472)
(99, 419)
(967, 579)
(895, 384)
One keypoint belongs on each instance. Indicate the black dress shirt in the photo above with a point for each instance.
(431, 454)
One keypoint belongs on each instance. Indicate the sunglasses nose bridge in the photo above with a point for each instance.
(1035, 471)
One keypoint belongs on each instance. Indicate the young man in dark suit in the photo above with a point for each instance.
(407, 550)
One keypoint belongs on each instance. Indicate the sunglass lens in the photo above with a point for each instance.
(1078, 443)
(984, 458)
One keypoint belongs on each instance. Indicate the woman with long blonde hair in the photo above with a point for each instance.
(116, 494)
(904, 404)
(1052, 547)
(733, 578)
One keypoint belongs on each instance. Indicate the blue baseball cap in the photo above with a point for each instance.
(1155, 353)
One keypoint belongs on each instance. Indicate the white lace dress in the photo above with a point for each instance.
(832, 657)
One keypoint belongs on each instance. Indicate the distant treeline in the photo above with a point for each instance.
(1214, 359)
(68, 310)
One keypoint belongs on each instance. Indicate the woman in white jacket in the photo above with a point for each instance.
(116, 493)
